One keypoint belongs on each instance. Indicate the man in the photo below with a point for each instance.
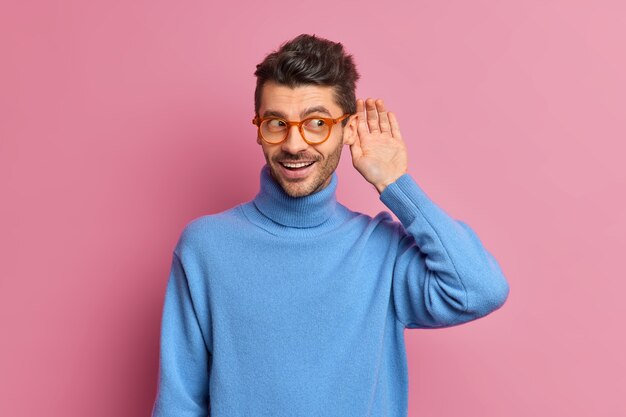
(292, 304)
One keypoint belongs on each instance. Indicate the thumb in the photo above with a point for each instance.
(355, 149)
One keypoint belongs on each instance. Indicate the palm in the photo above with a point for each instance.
(379, 153)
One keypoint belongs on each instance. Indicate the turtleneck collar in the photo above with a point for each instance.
(308, 211)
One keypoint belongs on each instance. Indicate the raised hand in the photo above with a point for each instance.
(378, 152)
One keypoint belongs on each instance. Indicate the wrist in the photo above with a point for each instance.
(380, 187)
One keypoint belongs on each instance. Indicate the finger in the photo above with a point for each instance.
(372, 115)
(382, 116)
(359, 106)
(361, 124)
(395, 127)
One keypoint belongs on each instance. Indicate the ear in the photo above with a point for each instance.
(349, 131)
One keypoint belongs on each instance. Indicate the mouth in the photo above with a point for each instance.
(296, 165)
(298, 169)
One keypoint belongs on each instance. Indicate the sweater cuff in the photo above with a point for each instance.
(404, 197)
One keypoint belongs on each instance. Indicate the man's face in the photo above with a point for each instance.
(296, 104)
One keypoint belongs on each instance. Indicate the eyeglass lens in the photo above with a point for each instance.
(276, 130)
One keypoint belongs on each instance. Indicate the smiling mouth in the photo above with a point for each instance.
(295, 166)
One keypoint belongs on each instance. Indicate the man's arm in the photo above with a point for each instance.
(443, 275)
(185, 361)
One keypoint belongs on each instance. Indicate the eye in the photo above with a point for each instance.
(275, 123)
(315, 124)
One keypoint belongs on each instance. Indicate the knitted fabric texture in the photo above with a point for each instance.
(296, 307)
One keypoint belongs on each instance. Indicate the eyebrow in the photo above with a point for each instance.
(306, 112)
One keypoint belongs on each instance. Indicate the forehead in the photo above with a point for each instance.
(292, 102)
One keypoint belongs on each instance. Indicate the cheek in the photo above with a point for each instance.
(334, 147)
(330, 147)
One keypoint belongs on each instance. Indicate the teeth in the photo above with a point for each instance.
(298, 165)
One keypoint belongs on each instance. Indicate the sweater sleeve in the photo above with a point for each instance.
(442, 276)
(184, 360)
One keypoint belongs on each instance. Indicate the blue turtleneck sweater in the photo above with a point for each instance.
(296, 307)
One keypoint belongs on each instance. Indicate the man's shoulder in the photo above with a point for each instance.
(211, 227)
(215, 219)
(381, 220)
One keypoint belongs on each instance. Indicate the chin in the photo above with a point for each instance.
(301, 188)
(298, 189)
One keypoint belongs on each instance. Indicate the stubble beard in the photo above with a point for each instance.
(309, 186)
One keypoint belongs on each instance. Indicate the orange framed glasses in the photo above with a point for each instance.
(314, 130)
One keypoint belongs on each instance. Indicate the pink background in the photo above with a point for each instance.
(121, 121)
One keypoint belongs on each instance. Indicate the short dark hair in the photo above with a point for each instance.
(309, 59)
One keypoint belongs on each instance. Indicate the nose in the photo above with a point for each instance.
(294, 143)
